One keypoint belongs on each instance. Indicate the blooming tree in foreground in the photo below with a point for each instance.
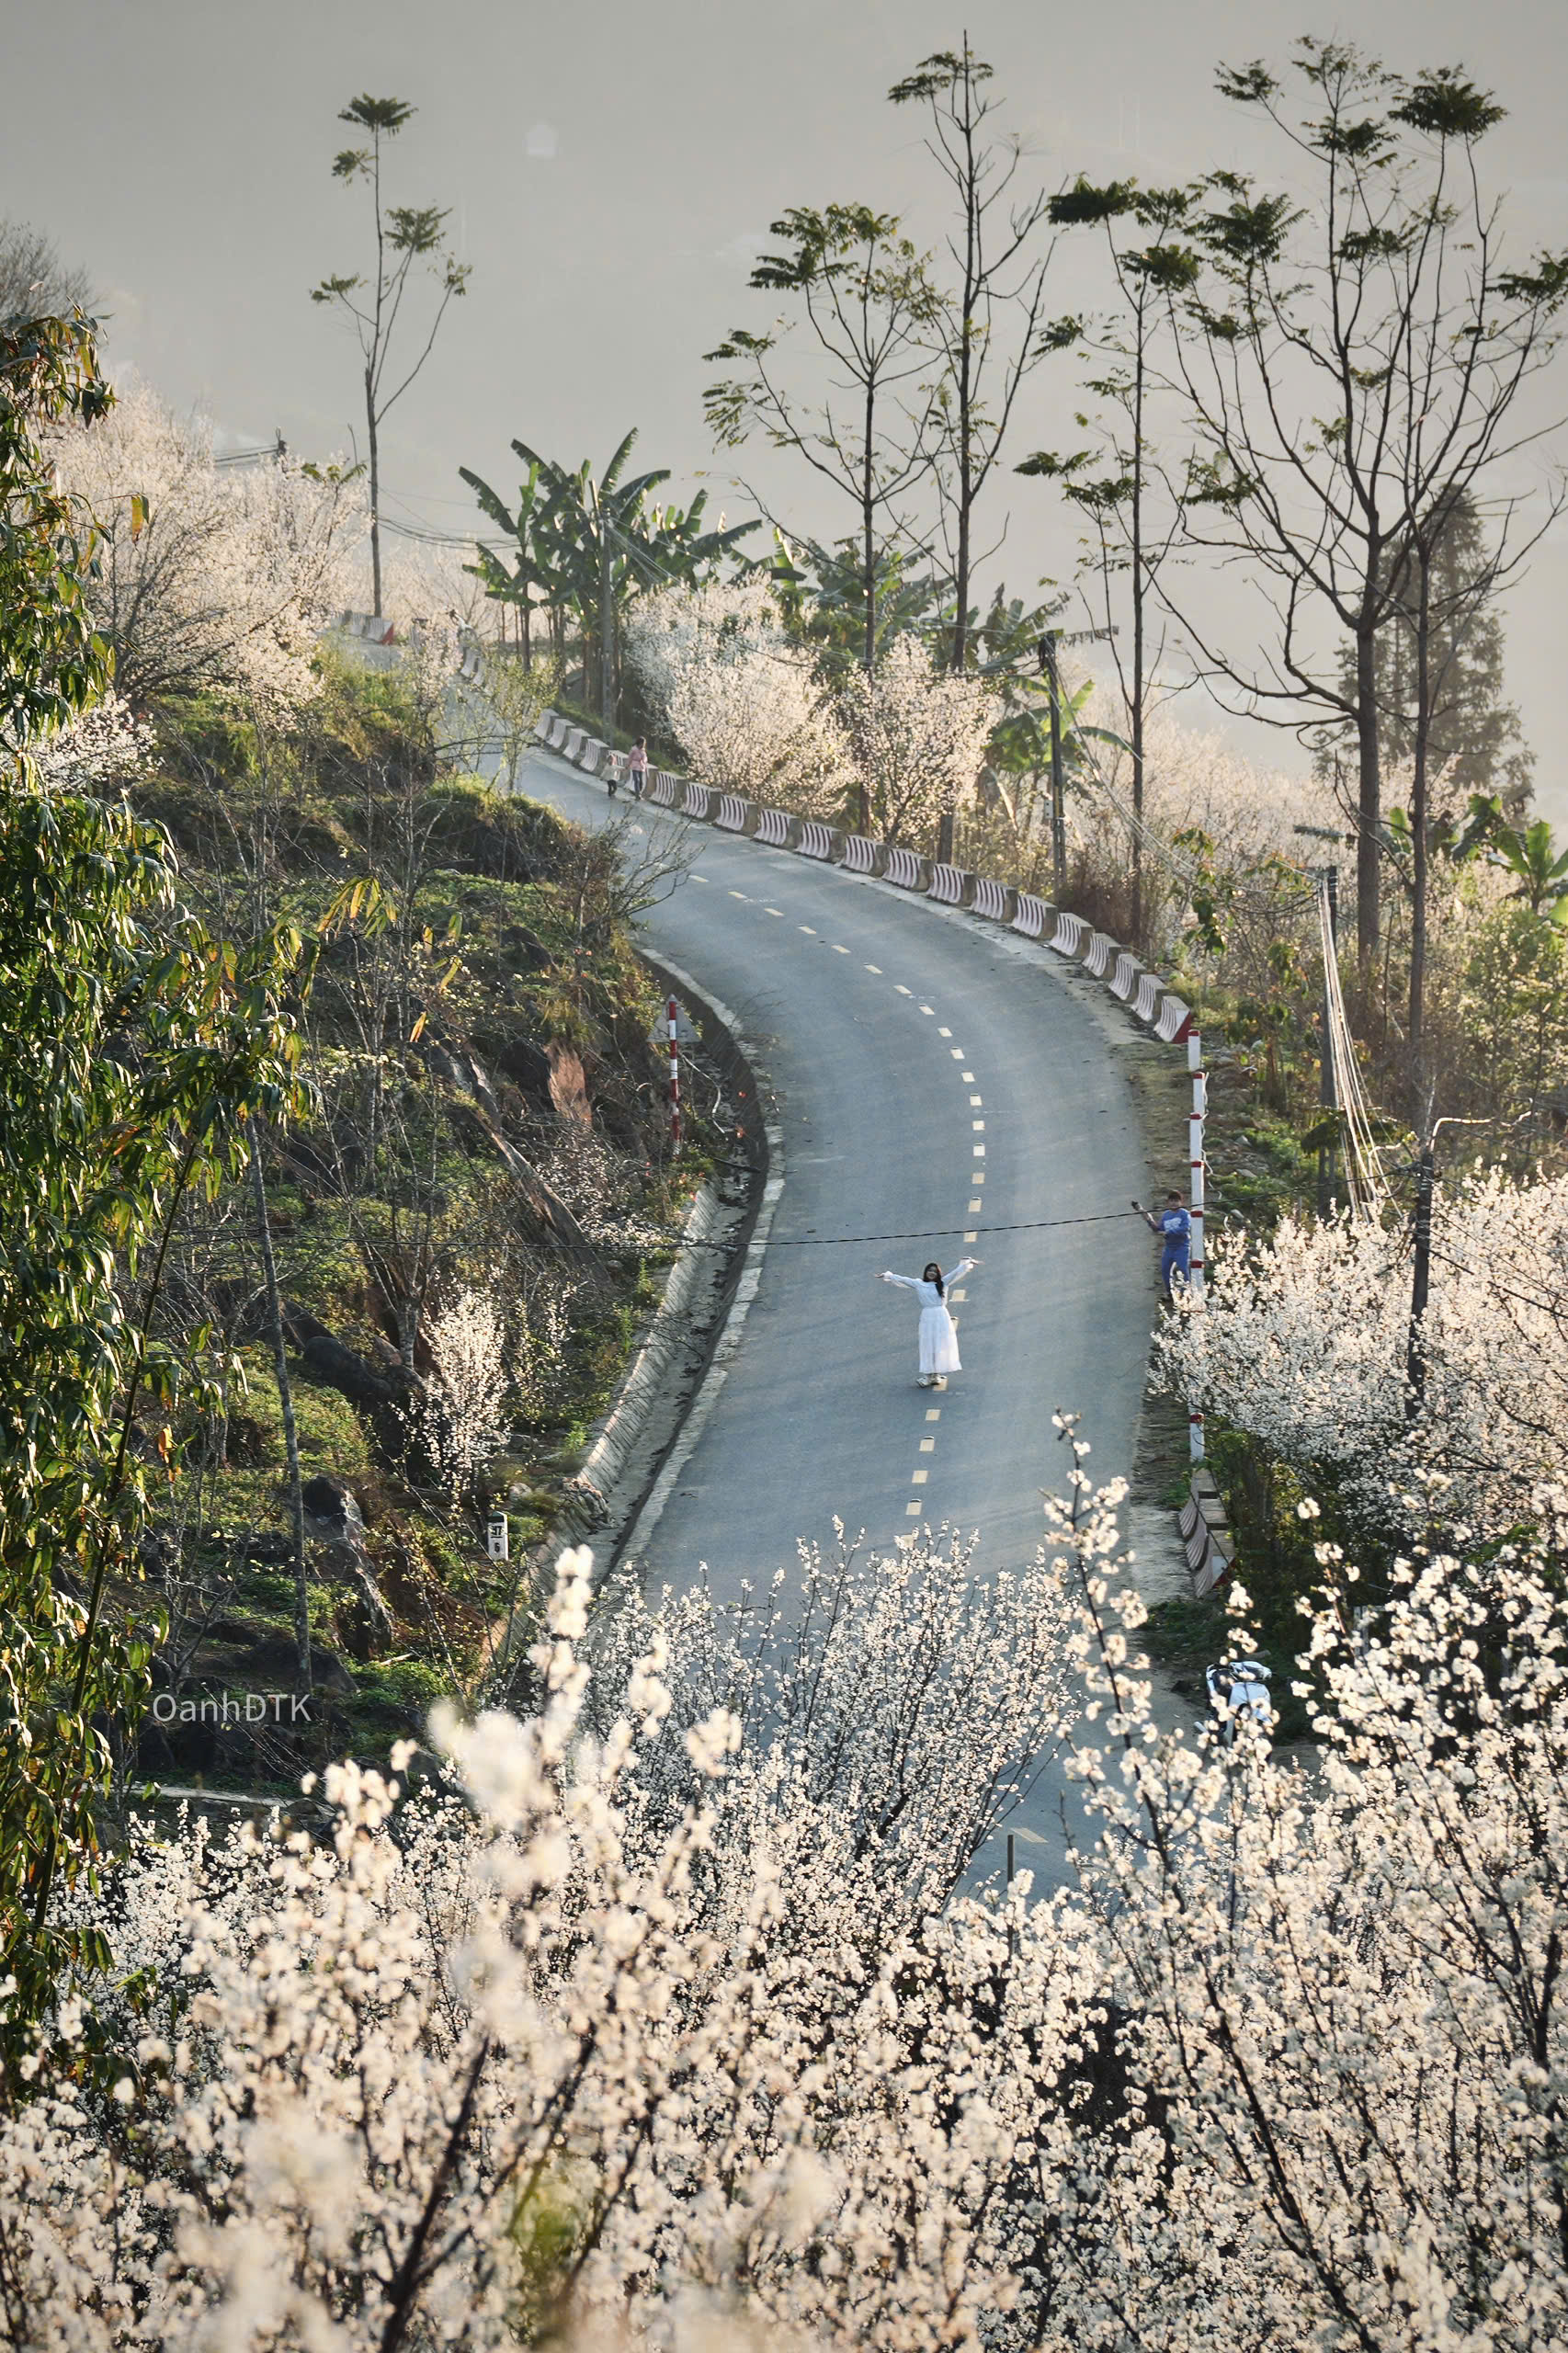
(655, 2040)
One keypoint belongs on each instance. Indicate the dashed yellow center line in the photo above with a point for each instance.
(957, 1053)
(974, 1210)
(740, 895)
(702, 878)
(912, 1511)
(875, 968)
(977, 1127)
(774, 911)
(972, 1238)
(974, 1103)
(980, 1152)
(944, 1033)
(967, 1076)
(930, 1009)
(957, 1295)
(811, 929)
(918, 1478)
(839, 951)
(927, 1446)
(902, 990)
(933, 1413)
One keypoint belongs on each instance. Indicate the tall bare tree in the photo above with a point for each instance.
(34, 281)
(987, 332)
(405, 235)
(1111, 484)
(1350, 365)
(868, 301)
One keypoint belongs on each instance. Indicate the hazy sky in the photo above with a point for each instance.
(613, 166)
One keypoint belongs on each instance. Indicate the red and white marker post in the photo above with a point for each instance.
(673, 1014)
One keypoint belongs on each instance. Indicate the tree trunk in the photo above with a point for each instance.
(1418, 830)
(1369, 812)
(375, 491)
(286, 1399)
(1137, 711)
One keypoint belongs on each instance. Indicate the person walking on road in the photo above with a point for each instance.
(938, 1338)
(1174, 1225)
(637, 767)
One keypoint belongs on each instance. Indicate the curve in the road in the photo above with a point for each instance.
(929, 1078)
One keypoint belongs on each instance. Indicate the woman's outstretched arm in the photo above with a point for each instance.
(904, 1282)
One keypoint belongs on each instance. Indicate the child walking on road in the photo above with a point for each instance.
(1174, 1225)
(938, 1339)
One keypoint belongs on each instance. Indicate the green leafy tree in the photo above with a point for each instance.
(1474, 738)
(405, 235)
(134, 1046)
(591, 544)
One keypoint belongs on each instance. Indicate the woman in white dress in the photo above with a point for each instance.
(938, 1340)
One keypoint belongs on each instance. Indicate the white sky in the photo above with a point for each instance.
(613, 166)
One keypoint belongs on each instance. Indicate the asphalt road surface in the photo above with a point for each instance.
(928, 1080)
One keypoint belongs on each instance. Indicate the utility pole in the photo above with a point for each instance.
(607, 633)
(1421, 1284)
(1048, 645)
(1328, 1090)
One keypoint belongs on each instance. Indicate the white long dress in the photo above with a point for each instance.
(938, 1340)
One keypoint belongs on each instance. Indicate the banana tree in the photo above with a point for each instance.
(591, 543)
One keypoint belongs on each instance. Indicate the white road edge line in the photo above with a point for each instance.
(701, 1410)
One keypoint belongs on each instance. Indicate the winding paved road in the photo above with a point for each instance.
(929, 1076)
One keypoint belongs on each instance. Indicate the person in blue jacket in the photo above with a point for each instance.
(1174, 1225)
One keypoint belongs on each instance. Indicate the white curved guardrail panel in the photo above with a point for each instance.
(820, 841)
(951, 886)
(1098, 953)
(909, 871)
(1175, 1021)
(1124, 979)
(999, 901)
(864, 857)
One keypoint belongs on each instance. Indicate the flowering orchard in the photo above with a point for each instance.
(206, 576)
(656, 2024)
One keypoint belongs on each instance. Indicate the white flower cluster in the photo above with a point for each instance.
(740, 699)
(1304, 1341)
(205, 574)
(102, 749)
(602, 2055)
(919, 735)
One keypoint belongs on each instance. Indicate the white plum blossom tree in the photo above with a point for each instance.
(918, 736)
(584, 2047)
(738, 696)
(207, 575)
(1304, 1341)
